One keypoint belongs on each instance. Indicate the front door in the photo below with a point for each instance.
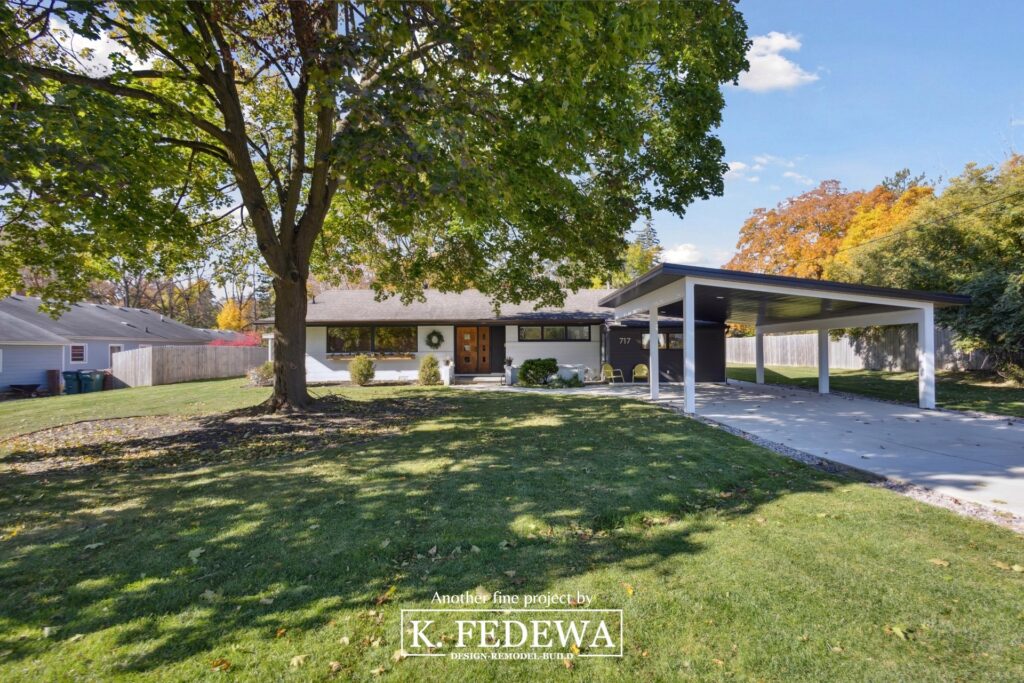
(473, 350)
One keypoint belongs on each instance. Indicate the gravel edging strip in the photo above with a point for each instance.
(1012, 522)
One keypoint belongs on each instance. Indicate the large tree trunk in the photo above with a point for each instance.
(289, 345)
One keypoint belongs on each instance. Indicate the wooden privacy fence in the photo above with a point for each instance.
(895, 350)
(154, 365)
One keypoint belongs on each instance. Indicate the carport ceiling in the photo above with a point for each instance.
(723, 304)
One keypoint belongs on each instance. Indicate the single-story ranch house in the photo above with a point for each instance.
(464, 329)
(672, 303)
(85, 337)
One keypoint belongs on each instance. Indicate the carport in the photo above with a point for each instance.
(774, 304)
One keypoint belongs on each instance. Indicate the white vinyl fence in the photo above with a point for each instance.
(154, 365)
(895, 350)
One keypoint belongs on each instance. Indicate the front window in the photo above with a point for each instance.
(530, 333)
(349, 339)
(355, 339)
(645, 341)
(394, 340)
(554, 333)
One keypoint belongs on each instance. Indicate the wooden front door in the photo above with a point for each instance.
(473, 350)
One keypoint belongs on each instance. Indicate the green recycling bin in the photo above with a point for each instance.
(92, 380)
(71, 383)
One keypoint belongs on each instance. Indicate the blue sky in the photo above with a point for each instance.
(855, 91)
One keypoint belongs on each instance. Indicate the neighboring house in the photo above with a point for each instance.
(83, 338)
(476, 339)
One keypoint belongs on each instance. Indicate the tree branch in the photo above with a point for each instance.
(105, 85)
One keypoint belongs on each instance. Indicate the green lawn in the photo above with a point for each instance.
(981, 391)
(271, 553)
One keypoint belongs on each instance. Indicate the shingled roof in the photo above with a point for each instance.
(21, 322)
(359, 306)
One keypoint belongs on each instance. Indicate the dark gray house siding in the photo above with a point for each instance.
(23, 364)
(624, 350)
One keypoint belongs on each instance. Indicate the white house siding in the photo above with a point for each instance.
(27, 364)
(322, 368)
(567, 353)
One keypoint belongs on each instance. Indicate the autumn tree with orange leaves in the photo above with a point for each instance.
(813, 235)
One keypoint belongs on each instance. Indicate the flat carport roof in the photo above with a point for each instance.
(774, 303)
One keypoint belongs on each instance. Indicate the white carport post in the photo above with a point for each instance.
(823, 361)
(689, 355)
(759, 356)
(654, 373)
(926, 357)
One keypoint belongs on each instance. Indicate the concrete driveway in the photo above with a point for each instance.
(978, 459)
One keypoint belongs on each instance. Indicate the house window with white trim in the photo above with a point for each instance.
(78, 353)
(114, 348)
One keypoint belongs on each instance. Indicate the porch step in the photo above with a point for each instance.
(477, 379)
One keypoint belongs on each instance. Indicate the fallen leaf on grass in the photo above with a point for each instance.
(399, 655)
(574, 649)
(386, 596)
(510, 573)
(194, 554)
(505, 545)
(210, 596)
(568, 664)
(335, 667)
(629, 589)
(266, 601)
(344, 640)
(50, 631)
(901, 632)
(298, 660)
(75, 638)
(220, 665)
(279, 633)
(1001, 565)
(385, 543)
(939, 563)
(482, 593)
(474, 549)
(1017, 568)
(379, 671)
(432, 551)
(719, 662)
(93, 546)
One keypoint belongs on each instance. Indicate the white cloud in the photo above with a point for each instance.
(738, 171)
(762, 160)
(798, 178)
(690, 254)
(94, 55)
(769, 70)
(1017, 122)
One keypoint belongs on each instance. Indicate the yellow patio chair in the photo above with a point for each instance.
(641, 372)
(610, 374)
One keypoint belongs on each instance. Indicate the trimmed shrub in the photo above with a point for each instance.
(536, 371)
(430, 370)
(573, 382)
(361, 370)
(262, 375)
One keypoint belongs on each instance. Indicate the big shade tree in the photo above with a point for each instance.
(503, 145)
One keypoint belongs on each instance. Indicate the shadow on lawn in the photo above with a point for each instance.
(574, 484)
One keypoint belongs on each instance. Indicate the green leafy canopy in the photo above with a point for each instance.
(503, 145)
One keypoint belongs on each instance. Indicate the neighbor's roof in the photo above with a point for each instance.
(361, 306)
(21, 321)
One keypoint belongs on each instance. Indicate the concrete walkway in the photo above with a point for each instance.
(976, 459)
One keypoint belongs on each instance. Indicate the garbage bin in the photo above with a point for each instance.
(71, 383)
(92, 380)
